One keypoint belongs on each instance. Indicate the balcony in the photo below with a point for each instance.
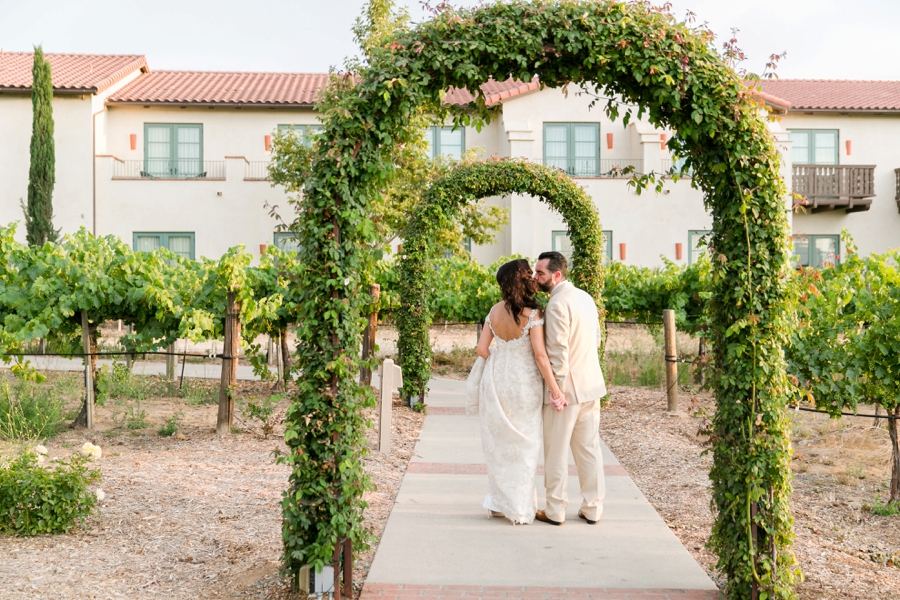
(169, 169)
(256, 170)
(606, 168)
(835, 187)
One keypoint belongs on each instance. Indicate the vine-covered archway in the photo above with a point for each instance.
(441, 201)
(640, 55)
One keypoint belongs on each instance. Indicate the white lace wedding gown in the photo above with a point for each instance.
(510, 396)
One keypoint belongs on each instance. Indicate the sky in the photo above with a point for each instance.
(824, 39)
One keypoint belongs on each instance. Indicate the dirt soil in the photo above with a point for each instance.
(840, 466)
(189, 516)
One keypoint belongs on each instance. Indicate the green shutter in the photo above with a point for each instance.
(173, 149)
(814, 146)
(181, 243)
(573, 147)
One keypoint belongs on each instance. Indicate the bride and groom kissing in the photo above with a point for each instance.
(541, 381)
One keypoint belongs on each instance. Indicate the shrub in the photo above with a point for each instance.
(38, 497)
(171, 425)
(28, 410)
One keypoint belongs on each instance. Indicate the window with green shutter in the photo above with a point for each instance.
(698, 240)
(816, 250)
(173, 150)
(573, 147)
(304, 133)
(560, 242)
(814, 146)
(446, 141)
(288, 242)
(181, 243)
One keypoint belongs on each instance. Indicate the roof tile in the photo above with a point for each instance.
(213, 87)
(836, 95)
(89, 73)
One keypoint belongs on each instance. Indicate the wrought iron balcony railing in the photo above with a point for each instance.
(606, 168)
(168, 169)
(256, 170)
(835, 187)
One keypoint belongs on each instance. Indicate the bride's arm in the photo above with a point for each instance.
(484, 343)
(543, 362)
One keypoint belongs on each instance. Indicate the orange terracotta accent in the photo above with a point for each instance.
(262, 249)
(662, 141)
(678, 251)
(268, 143)
(133, 139)
(848, 144)
(621, 251)
(609, 141)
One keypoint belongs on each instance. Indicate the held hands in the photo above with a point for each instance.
(558, 401)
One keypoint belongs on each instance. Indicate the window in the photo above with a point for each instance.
(289, 242)
(172, 150)
(814, 146)
(816, 250)
(561, 243)
(573, 147)
(695, 249)
(467, 244)
(181, 244)
(304, 133)
(446, 141)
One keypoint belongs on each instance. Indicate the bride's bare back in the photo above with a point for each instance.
(505, 326)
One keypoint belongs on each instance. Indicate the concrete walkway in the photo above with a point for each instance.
(439, 542)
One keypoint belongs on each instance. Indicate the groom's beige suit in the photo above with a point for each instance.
(572, 333)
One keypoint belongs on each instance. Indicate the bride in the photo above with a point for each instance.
(506, 389)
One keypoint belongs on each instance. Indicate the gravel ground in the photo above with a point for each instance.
(188, 518)
(844, 550)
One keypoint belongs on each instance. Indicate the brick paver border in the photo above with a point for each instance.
(424, 468)
(402, 591)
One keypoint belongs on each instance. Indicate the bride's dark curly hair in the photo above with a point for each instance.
(517, 286)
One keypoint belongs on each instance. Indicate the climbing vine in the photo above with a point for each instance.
(441, 202)
(641, 56)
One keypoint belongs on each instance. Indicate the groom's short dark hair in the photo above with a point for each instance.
(555, 262)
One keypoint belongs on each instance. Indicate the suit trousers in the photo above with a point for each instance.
(576, 426)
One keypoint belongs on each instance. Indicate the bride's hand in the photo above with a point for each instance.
(559, 402)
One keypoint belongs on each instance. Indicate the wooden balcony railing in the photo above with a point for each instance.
(835, 187)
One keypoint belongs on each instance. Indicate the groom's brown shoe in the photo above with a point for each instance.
(542, 516)
(589, 522)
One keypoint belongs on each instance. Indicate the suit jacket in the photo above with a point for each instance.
(572, 334)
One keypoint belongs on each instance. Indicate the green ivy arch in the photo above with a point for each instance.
(641, 55)
(441, 202)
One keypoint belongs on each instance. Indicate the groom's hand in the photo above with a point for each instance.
(559, 402)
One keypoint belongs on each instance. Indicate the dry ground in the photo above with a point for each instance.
(840, 466)
(197, 517)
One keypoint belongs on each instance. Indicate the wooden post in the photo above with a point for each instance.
(231, 348)
(285, 358)
(170, 362)
(671, 355)
(368, 345)
(278, 360)
(391, 379)
(270, 351)
(129, 358)
(88, 371)
(348, 569)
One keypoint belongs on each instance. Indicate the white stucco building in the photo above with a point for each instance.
(178, 158)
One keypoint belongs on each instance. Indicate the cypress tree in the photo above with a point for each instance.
(42, 172)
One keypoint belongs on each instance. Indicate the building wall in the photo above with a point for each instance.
(874, 142)
(220, 212)
(73, 192)
(650, 224)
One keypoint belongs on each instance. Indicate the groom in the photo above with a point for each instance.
(572, 332)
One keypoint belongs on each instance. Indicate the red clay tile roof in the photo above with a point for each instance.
(494, 91)
(72, 73)
(209, 88)
(844, 95)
